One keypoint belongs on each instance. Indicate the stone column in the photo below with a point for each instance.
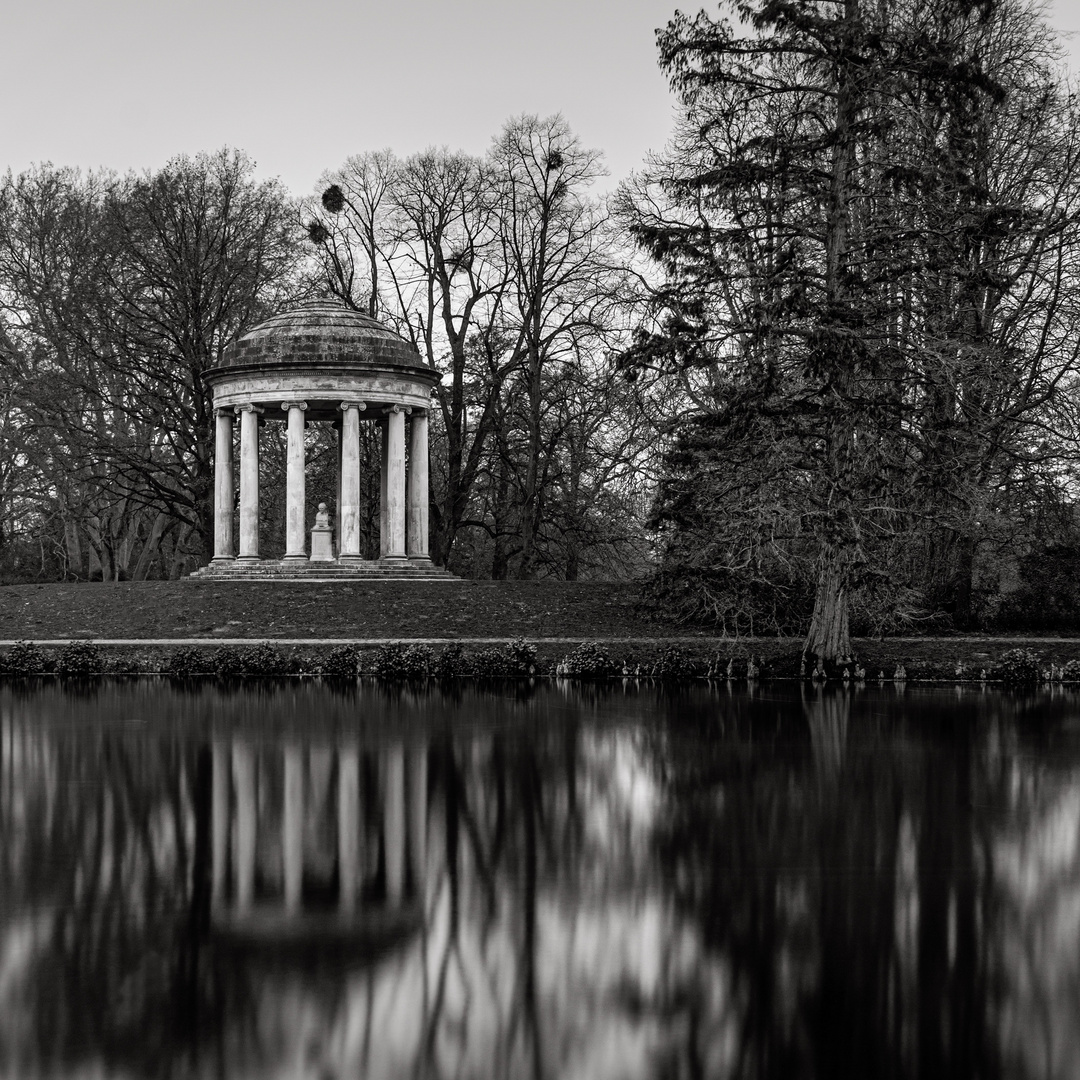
(246, 817)
(417, 534)
(395, 483)
(219, 816)
(349, 864)
(339, 430)
(651, 962)
(292, 827)
(384, 516)
(418, 776)
(249, 482)
(295, 538)
(349, 504)
(223, 487)
(394, 823)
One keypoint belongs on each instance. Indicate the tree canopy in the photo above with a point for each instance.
(505, 272)
(116, 294)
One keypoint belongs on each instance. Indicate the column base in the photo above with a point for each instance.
(421, 560)
(247, 560)
(295, 560)
(353, 558)
(394, 560)
(223, 560)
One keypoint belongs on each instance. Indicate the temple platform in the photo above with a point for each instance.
(323, 570)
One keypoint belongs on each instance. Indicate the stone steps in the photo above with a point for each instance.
(273, 570)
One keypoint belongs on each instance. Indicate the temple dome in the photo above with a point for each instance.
(321, 353)
(321, 332)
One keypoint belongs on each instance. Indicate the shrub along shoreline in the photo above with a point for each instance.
(944, 660)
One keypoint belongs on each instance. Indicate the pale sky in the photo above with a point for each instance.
(300, 86)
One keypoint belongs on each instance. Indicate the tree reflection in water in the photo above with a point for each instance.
(298, 881)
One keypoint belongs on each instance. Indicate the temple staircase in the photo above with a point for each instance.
(324, 570)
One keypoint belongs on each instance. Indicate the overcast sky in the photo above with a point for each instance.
(302, 84)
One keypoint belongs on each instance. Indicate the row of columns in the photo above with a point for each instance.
(235, 812)
(403, 518)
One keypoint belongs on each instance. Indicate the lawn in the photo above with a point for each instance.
(408, 609)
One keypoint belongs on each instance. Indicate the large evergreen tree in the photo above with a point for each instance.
(824, 215)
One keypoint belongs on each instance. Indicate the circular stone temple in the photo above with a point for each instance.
(323, 362)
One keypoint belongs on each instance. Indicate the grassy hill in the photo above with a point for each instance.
(409, 609)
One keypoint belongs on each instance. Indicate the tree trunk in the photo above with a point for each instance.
(179, 553)
(440, 549)
(150, 548)
(100, 551)
(573, 561)
(526, 570)
(127, 545)
(93, 562)
(500, 558)
(531, 494)
(963, 616)
(73, 547)
(573, 513)
(829, 637)
(105, 559)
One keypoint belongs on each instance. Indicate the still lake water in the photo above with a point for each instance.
(308, 881)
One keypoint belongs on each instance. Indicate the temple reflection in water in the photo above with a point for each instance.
(307, 828)
(618, 883)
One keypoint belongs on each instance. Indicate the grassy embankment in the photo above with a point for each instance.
(556, 616)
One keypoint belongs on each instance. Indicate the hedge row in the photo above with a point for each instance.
(394, 660)
(398, 660)
(513, 660)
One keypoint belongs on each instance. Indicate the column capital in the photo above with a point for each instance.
(345, 406)
(406, 409)
(226, 410)
(249, 407)
(287, 405)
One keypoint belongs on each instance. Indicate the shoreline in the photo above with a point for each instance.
(969, 660)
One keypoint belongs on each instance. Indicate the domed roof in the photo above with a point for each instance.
(321, 332)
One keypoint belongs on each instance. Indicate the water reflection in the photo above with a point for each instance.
(303, 881)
